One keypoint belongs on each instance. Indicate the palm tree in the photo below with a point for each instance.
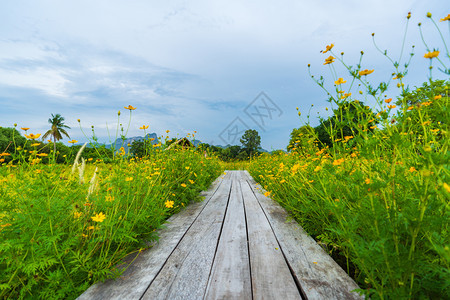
(57, 122)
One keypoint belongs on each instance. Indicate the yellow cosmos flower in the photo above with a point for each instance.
(144, 127)
(340, 81)
(267, 194)
(99, 217)
(77, 214)
(337, 162)
(431, 54)
(24, 128)
(318, 168)
(35, 144)
(191, 181)
(391, 106)
(328, 48)
(447, 18)
(42, 154)
(412, 169)
(367, 181)
(365, 72)
(437, 97)
(72, 141)
(169, 204)
(32, 136)
(128, 178)
(388, 100)
(129, 107)
(329, 60)
(446, 187)
(183, 185)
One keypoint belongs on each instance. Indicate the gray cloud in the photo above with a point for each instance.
(188, 65)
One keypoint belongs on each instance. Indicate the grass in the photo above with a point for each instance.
(61, 231)
(371, 184)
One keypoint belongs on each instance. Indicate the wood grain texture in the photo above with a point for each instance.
(137, 277)
(230, 275)
(236, 244)
(186, 273)
(318, 274)
(271, 278)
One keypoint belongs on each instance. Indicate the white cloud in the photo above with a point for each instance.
(193, 64)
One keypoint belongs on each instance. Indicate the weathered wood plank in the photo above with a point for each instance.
(137, 277)
(230, 275)
(271, 278)
(318, 274)
(186, 273)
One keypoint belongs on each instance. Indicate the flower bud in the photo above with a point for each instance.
(428, 15)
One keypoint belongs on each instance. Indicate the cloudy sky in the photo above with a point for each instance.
(216, 67)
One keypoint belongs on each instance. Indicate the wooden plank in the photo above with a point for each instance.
(271, 278)
(317, 273)
(137, 277)
(186, 273)
(230, 275)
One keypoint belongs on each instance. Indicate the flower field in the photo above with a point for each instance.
(63, 228)
(371, 184)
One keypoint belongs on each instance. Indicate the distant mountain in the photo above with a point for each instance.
(196, 142)
(124, 143)
(128, 141)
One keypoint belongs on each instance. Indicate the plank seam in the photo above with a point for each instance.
(294, 276)
(218, 239)
(179, 241)
(248, 244)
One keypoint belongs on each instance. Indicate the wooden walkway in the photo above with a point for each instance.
(236, 244)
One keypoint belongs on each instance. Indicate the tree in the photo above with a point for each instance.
(9, 139)
(301, 139)
(251, 141)
(426, 104)
(231, 153)
(349, 119)
(58, 127)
